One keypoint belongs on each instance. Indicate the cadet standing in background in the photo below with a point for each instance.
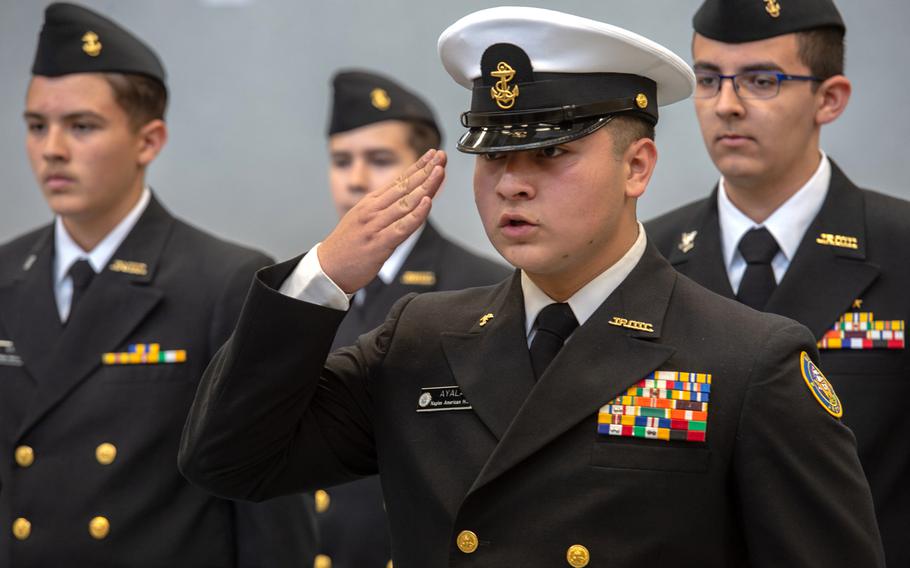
(108, 317)
(785, 231)
(597, 408)
(378, 128)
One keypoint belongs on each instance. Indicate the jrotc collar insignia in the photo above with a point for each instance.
(861, 331)
(773, 8)
(819, 386)
(129, 267)
(502, 92)
(380, 99)
(632, 324)
(144, 354)
(842, 241)
(665, 405)
(485, 319)
(687, 241)
(8, 356)
(91, 45)
(418, 278)
(436, 399)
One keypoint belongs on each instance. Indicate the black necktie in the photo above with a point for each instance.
(555, 323)
(758, 248)
(82, 273)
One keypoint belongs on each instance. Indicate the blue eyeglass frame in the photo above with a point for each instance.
(781, 77)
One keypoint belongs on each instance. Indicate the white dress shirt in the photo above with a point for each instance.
(788, 224)
(585, 301)
(310, 284)
(67, 252)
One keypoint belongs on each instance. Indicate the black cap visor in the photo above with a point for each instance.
(514, 138)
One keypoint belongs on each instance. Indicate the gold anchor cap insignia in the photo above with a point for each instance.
(380, 99)
(641, 100)
(772, 7)
(501, 92)
(91, 44)
(485, 319)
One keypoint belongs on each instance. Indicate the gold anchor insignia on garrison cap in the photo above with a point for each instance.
(772, 7)
(687, 241)
(380, 99)
(91, 45)
(501, 92)
(485, 319)
(641, 100)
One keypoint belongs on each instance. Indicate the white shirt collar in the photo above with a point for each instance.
(789, 222)
(66, 251)
(390, 269)
(586, 301)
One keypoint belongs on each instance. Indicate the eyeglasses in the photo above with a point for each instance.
(748, 85)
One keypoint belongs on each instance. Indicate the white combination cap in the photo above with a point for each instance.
(541, 77)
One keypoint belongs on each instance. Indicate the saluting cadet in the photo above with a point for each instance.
(377, 129)
(595, 409)
(785, 231)
(108, 317)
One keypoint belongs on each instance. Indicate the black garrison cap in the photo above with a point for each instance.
(77, 40)
(739, 21)
(361, 98)
(541, 78)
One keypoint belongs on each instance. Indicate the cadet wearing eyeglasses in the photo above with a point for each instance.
(785, 231)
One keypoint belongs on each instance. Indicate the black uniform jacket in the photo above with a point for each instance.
(777, 483)
(353, 526)
(819, 287)
(175, 286)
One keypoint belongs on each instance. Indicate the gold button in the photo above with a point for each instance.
(322, 561)
(22, 529)
(99, 527)
(389, 564)
(25, 456)
(467, 541)
(322, 501)
(106, 453)
(578, 556)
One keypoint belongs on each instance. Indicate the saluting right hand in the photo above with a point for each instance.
(368, 234)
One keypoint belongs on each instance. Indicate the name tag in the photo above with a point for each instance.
(435, 399)
(8, 356)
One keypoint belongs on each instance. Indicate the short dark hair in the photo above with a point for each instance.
(144, 99)
(627, 129)
(822, 51)
(422, 137)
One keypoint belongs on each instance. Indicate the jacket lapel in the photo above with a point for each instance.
(841, 273)
(700, 256)
(118, 299)
(491, 362)
(581, 378)
(28, 307)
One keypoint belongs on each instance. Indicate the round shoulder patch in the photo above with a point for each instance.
(820, 387)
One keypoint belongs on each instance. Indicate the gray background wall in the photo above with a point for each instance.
(249, 84)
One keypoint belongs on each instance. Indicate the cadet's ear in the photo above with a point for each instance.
(151, 139)
(832, 96)
(639, 161)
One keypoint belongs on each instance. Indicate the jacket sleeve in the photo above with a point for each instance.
(805, 500)
(271, 415)
(280, 532)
